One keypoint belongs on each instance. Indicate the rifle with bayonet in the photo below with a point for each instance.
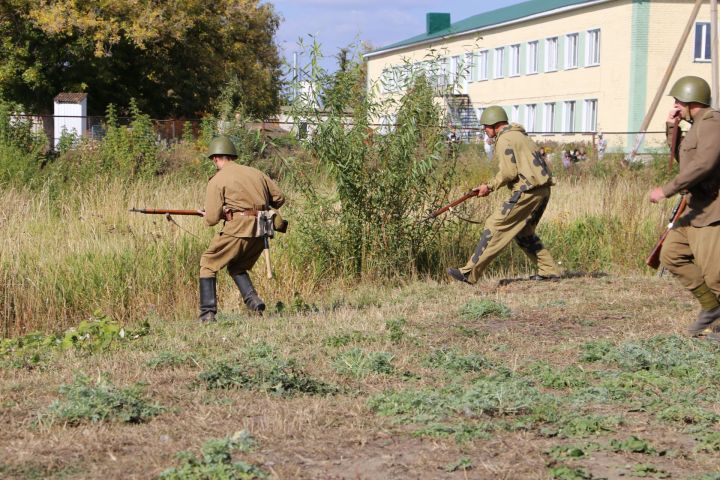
(653, 260)
(165, 211)
(454, 203)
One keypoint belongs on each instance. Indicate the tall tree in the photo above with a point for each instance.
(172, 56)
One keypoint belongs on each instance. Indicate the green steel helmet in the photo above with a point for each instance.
(492, 115)
(691, 89)
(221, 145)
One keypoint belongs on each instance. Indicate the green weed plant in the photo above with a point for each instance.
(217, 461)
(100, 401)
(484, 308)
(360, 364)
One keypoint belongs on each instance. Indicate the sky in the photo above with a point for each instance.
(338, 23)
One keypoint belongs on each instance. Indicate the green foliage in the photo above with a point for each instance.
(169, 360)
(647, 470)
(461, 465)
(632, 444)
(708, 442)
(174, 58)
(384, 181)
(595, 351)
(359, 364)
(454, 362)
(216, 462)
(573, 425)
(564, 452)
(569, 473)
(100, 402)
(345, 339)
(90, 336)
(549, 377)
(395, 328)
(477, 309)
(273, 375)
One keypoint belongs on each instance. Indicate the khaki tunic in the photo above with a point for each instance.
(527, 176)
(691, 250)
(237, 188)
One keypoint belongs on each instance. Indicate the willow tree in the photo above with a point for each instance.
(173, 56)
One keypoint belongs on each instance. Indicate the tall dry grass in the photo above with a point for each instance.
(66, 255)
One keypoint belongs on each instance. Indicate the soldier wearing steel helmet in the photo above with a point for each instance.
(523, 170)
(691, 250)
(234, 195)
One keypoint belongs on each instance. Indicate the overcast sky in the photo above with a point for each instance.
(338, 23)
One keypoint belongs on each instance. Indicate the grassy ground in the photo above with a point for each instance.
(580, 378)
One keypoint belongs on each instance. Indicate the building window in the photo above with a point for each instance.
(593, 47)
(514, 60)
(530, 117)
(590, 116)
(472, 67)
(569, 117)
(515, 114)
(702, 42)
(549, 118)
(571, 50)
(482, 65)
(532, 57)
(551, 54)
(499, 61)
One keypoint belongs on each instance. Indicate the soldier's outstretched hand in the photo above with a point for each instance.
(656, 194)
(482, 190)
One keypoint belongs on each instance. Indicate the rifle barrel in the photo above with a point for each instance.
(452, 204)
(165, 211)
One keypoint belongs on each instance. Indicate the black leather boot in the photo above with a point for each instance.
(208, 299)
(250, 297)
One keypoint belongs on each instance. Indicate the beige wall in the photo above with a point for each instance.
(609, 82)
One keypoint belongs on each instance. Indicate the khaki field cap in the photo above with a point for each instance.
(221, 146)
(492, 115)
(691, 89)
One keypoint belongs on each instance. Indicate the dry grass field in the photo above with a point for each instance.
(586, 377)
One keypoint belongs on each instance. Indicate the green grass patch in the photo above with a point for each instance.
(170, 360)
(359, 363)
(344, 339)
(101, 401)
(216, 461)
(478, 309)
(453, 361)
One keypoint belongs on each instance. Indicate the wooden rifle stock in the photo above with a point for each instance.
(653, 260)
(161, 211)
(440, 211)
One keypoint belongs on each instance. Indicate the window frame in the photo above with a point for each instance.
(551, 53)
(703, 33)
(549, 121)
(499, 63)
(532, 57)
(530, 109)
(482, 65)
(514, 66)
(590, 114)
(569, 114)
(592, 47)
(572, 53)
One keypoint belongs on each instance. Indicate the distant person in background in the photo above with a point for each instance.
(691, 250)
(488, 145)
(601, 146)
(581, 155)
(567, 163)
(543, 154)
(528, 179)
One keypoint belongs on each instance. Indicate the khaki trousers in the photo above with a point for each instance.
(692, 254)
(516, 219)
(238, 254)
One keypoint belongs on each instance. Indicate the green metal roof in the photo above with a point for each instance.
(489, 19)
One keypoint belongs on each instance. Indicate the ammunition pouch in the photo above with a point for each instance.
(279, 223)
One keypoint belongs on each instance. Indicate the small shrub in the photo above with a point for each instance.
(549, 377)
(101, 402)
(568, 473)
(647, 470)
(216, 462)
(632, 444)
(395, 330)
(461, 433)
(477, 309)
(345, 339)
(360, 364)
(276, 376)
(708, 442)
(595, 351)
(453, 361)
(587, 425)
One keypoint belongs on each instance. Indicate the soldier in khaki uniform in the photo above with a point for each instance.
(528, 178)
(235, 194)
(691, 250)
